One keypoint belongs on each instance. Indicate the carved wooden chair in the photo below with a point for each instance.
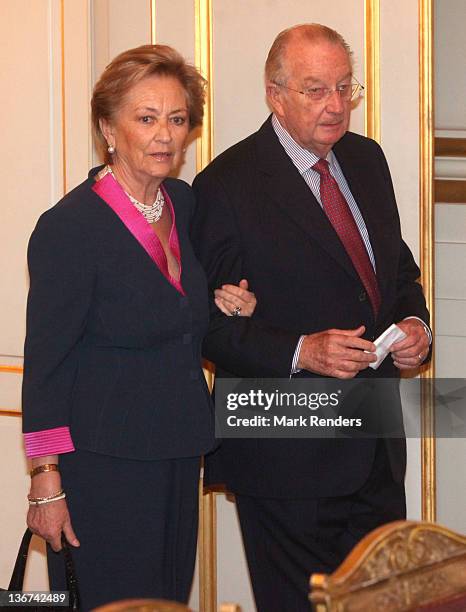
(155, 605)
(143, 605)
(399, 567)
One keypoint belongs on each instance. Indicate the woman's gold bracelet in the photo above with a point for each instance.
(46, 467)
(36, 501)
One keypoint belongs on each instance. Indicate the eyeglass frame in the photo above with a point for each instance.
(305, 92)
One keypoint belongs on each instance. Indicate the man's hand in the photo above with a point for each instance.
(410, 352)
(338, 353)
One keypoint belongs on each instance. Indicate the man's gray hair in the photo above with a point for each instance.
(275, 68)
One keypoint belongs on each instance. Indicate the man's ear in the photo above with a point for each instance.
(274, 97)
(107, 131)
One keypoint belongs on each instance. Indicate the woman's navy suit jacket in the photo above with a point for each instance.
(113, 350)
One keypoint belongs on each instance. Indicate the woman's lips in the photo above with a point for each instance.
(162, 156)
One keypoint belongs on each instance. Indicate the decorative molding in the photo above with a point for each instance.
(203, 54)
(207, 549)
(204, 155)
(372, 68)
(450, 147)
(449, 132)
(449, 191)
(450, 168)
(9, 413)
(63, 96)
(10, 369)
(426, 184)
(153, 22)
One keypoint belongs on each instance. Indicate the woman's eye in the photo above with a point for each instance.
(146, 119)
(178, 120)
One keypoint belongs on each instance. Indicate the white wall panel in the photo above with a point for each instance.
(10, 391)
(129, 25)
(175, 27)
(399, 80)
(413, 480)
(450, 235)
(450, 270)
(450, 360)
(450, 223)
(450, 54)
(77, 91)
(451, 483)
(26, 156)
(450, 167)
(450, 317)
(33, 176)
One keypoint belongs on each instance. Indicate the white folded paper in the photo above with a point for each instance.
(383, 343)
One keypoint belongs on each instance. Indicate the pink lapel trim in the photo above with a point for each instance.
(111, 192)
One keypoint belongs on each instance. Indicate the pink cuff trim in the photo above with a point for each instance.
(48, 442)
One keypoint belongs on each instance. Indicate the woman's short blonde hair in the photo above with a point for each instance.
(132, 66)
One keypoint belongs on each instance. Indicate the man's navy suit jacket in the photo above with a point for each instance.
(256, 218)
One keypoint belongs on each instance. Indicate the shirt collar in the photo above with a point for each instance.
(303, 159)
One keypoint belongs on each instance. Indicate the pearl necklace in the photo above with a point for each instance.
(150, 212)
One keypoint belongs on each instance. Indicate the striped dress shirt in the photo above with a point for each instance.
(303, 160)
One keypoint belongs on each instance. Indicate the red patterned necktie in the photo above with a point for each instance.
(340, 216)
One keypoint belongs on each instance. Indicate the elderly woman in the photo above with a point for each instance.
(116, 409)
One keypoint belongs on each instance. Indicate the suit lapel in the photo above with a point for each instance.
(287, 190)
(112, 194)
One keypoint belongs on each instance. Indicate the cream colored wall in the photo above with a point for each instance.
(35, 154)
(450, 75)
(240, 48)
(175, 27)
(239, 51)
(30, 158)
(450, 248)
(47, 149)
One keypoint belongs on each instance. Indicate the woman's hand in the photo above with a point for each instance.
(51, 519)
(236, 300)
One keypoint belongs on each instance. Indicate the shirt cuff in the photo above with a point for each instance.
(48, 442)
(294, 363)
(426, 327)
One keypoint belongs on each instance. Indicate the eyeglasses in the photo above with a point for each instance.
(346, 91)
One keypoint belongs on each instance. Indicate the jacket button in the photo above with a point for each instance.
(362, 296)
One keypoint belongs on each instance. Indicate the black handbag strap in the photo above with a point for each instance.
(17, 577)
(71, 581)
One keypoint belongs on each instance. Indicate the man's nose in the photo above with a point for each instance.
(335, 104)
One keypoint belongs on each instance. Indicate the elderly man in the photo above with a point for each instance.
(306, 211)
